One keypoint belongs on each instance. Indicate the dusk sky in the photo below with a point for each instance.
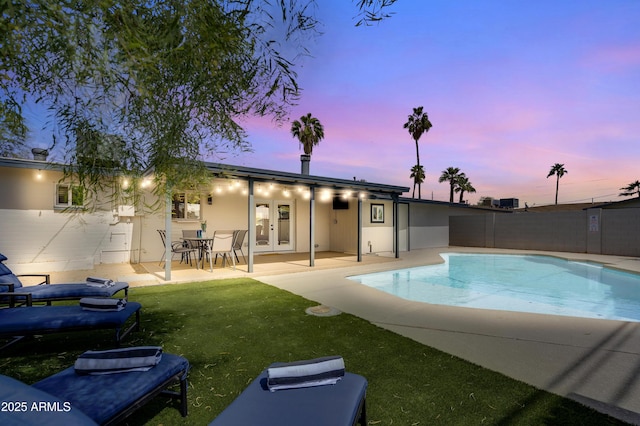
(510, 87)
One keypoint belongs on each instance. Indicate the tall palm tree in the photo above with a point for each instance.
(309, 132)
(451, 175)
(417, 174)
(558, 170)
(631, 189)
(417, 124)
(464, 185)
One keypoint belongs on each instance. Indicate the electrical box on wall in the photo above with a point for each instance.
(126, 211)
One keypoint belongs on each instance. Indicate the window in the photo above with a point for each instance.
(185, 205)
(68, 195)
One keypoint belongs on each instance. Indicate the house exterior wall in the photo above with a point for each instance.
(343, 225)
(37, 237)
(23, 189)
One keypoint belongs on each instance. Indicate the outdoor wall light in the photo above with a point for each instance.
(39, 174)
(325, 195)
(125, 183)
(346, 194)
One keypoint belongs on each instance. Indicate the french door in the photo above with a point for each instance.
(274, 225)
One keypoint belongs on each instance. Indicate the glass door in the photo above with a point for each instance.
(274, 225)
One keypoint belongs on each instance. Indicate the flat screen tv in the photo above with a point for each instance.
(340, 203)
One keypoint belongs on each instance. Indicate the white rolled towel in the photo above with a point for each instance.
(301, 374)
(140, 358)
(102, 304)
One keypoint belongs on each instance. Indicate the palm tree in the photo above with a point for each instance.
(309, 132)
(451, 174)
(417, 124)
(631, 189)
(417, 174)
(464, 185)
(558, 170)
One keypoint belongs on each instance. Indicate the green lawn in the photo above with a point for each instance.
(232, 329)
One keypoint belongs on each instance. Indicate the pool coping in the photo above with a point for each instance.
(592, 361)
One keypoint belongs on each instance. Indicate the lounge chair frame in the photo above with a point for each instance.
(14, 335)
(86, 391)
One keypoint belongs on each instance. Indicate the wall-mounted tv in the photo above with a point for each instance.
(340, 203)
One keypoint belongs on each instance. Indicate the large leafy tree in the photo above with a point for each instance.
(558, 170)
(309, 132)
(169, 81)
(630, 190)
(417, 124)
(451, 175)
(463, 184)
(418, 175)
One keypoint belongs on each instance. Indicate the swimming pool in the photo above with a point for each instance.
(522, 283)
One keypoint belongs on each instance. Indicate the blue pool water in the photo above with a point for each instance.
(522, 283)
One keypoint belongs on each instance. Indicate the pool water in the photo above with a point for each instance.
(522, 283)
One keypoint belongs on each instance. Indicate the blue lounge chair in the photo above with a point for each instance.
(19, 322)
(341, 404)
(44, 291)
(67, 398)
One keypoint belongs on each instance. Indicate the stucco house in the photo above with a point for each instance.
(45, 228)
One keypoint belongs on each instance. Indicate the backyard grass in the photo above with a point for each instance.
(230, 330)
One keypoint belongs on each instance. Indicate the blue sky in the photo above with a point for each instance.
(510, 87)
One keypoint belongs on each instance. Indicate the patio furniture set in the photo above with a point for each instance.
(105, 387)
(197, 246)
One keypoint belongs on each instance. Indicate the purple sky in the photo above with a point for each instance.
(510, 87)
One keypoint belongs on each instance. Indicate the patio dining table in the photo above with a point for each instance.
(204, 248)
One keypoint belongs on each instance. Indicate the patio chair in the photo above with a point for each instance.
(177, 247)
(19, 322)
(83, 399)
(238, 239)
(223, 245)
(339, 404)
(46, 292)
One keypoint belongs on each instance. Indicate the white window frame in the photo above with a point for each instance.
(186, 195)
(70, 202)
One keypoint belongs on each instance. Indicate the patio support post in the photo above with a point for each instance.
(359, 229)
(396, 227)
(251, 220)
(167, 238)
(312, 226)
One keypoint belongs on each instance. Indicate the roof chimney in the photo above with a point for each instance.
(40, 154)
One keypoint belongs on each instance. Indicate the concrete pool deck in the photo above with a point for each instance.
(595, 362)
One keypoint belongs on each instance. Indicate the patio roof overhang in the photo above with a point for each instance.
(374, 190)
